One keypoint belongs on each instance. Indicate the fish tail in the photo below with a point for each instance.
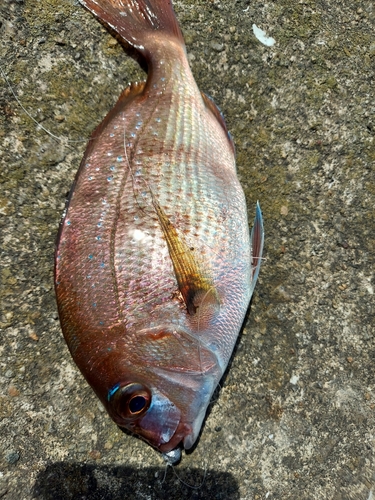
(135, 21)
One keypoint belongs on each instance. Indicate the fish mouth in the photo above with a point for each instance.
(185, 434)
(183, 431)
(189, 441)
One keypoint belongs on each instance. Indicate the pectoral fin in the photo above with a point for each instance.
(194, 285)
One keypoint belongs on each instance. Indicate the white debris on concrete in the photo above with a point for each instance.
(262, 36)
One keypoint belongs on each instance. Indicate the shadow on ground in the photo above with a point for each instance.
(78, 481)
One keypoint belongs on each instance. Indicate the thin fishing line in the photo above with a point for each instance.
(57, 138)
(142, 209)
(191, 486)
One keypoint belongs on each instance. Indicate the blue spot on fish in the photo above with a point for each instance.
(112, 167)
(109, 178)
(94, 304)
(111, 392)
(102, 264)
(111, 135)
(91, 256)
(119, 158)
(98, 238)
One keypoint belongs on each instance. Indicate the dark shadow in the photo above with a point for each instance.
(79, 481)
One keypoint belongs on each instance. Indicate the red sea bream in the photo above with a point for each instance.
(154, 264)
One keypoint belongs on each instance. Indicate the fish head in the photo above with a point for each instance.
(164, 394)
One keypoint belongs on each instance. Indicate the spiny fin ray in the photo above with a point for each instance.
(256, 242)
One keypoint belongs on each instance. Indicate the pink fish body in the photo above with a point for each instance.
(154, 264)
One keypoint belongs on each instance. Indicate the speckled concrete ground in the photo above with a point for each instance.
(295, 417)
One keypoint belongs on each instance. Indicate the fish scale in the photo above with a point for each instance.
(154, 264)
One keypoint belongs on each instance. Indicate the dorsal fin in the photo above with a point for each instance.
(130, 92)
(196, 288)
(219, 117)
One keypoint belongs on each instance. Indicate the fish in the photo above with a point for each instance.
(154, 263)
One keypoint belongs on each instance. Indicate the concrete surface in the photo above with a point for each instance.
(295, 417)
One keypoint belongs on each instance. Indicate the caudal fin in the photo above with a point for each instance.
(136, 20)
(256, 242)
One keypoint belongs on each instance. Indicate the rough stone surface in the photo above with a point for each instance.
(295, 416)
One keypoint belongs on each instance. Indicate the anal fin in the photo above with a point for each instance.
(219, 117)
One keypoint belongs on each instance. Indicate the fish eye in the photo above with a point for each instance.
(137, 404)
(132, 401)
